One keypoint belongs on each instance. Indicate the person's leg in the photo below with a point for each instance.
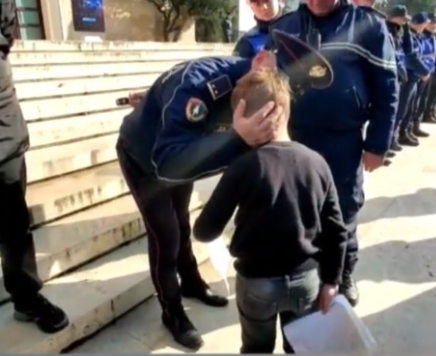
(406, 137)
(303, 291)
(351, 199)
(422, 97)
(156, 206)
(17, 252)
(258, 302)
(193, 285)
(429, 113)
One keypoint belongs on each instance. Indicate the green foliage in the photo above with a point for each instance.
(415, 6)
(176, 12)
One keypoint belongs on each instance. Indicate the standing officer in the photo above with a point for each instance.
(17, 250)
(429, 113)
(429, 59)
(331, 121)
(265, 11)
(397, 19)
(417, 72)
(181, 132)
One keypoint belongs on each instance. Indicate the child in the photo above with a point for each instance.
(288, 223)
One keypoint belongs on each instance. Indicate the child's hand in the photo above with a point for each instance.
(327, 294)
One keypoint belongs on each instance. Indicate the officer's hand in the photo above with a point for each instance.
(326, 296)
(427, 77)
(372, 162)
(135, 99)
(258, 128)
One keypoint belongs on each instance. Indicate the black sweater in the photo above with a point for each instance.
(288, 218)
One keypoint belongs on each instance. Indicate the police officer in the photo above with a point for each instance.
(356, 42)
(429, 59)
(429, 113)
(17, 248)
(417, 73)
(265, 11)
(182, 131)
(397, 19)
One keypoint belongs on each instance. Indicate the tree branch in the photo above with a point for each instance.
(157, 5)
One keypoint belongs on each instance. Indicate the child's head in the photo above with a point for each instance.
(257, 88)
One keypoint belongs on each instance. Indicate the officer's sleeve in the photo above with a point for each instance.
(414, 62)
(244, 48)
(8, 22)
(407, 40)
(384, 89)
(183, 152)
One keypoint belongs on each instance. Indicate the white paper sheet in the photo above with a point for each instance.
(220, 257)
(340, 331)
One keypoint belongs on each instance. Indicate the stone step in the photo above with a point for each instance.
(93, 296)
(69, 242)
(56, 198)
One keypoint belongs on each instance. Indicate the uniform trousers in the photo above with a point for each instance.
(165, 212)
(17, 248)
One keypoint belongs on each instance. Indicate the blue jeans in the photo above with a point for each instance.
(261, 300)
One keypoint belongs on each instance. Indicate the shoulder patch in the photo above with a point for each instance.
(196, 110)
(220, 86)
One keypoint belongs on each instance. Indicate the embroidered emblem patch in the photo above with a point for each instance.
(196, 110)
(317, 71)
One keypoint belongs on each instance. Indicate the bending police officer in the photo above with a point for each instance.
(182, 131)
(357, 44)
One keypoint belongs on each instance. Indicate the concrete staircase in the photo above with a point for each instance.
(89, 236)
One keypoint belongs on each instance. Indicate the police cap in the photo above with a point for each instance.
(303, 64)
(399, 11)
(420, 18)
(431, 17)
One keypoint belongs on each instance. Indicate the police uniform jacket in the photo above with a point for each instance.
(182, 129)
(415, 65)
(429, 50)
(253, 41)
(398, 35)
(14, 138)
(359, 48)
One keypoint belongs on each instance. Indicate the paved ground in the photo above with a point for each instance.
(396, 274)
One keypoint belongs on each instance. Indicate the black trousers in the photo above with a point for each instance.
(431, 102)
(17, 248)
(165, 212)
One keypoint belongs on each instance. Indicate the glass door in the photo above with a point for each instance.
(30, 22)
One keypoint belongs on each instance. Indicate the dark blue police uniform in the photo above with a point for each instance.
(253, 41)
(331, 121)
(182, 132)
(429, 113)
(416, 70)
(429, 59)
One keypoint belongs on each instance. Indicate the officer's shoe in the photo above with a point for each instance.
(349, 289)
(182, 330)
(390, 154)
(405, 140)
(429, 119)
(418, 132)
(47, 316)
(205, 295)
(396, 146)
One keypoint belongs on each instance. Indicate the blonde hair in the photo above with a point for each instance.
(258, 87)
